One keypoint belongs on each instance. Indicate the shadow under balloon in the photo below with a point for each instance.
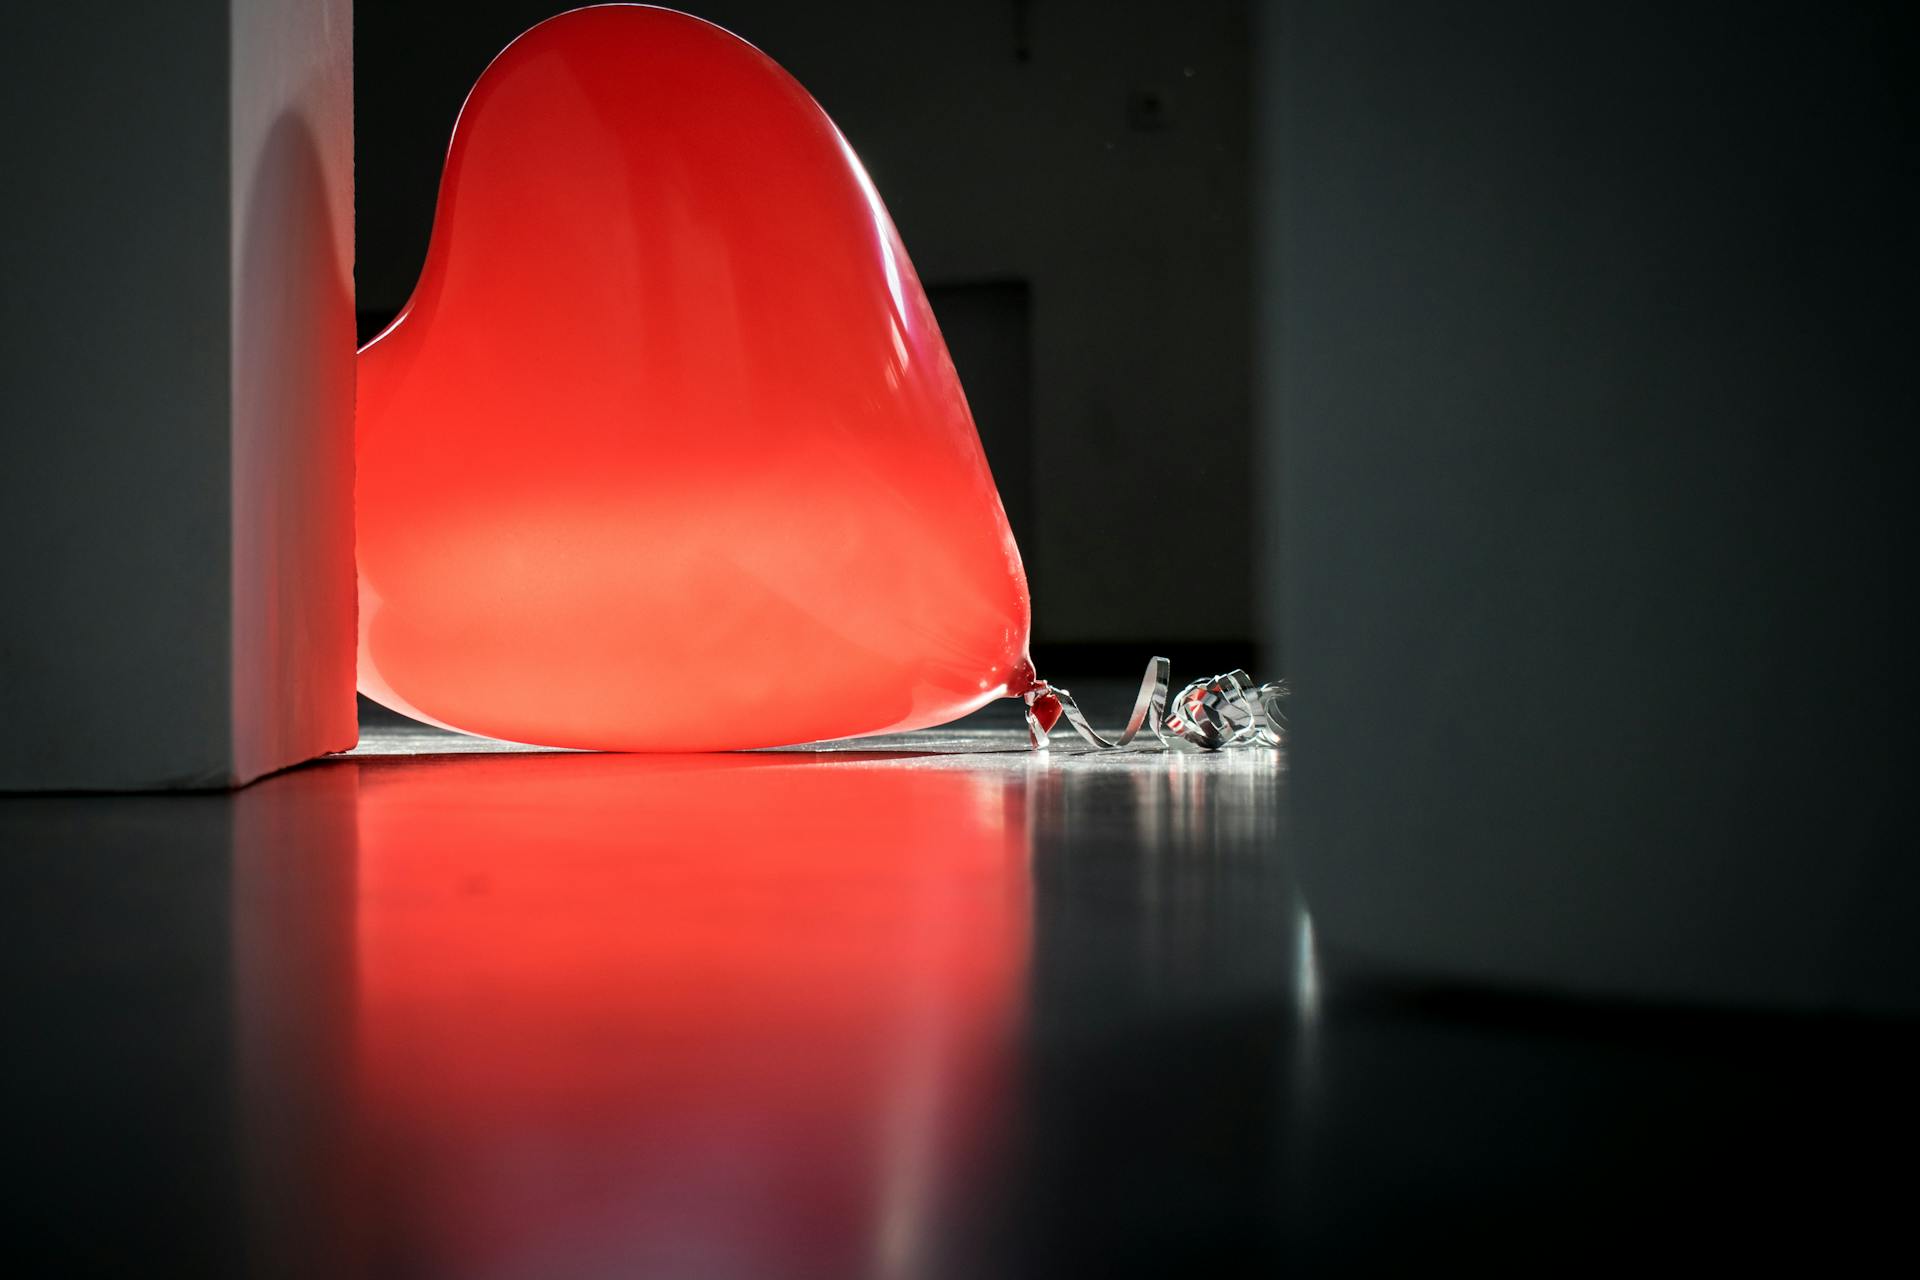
(774, 1014)
(565, 1014)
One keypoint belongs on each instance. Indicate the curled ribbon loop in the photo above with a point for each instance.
(1221, 711)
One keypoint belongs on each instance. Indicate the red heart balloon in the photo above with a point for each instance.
(666, 451)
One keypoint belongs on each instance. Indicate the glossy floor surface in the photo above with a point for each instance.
(929, 1006)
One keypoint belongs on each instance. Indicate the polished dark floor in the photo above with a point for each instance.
(934, 1006)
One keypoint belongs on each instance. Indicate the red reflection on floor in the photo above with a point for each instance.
(695, 1016)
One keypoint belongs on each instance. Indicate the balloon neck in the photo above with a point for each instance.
(1043, 708)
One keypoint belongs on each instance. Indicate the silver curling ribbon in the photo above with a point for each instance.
(1221, 711)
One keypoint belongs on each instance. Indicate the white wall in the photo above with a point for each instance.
(291, 294)
(175, 452)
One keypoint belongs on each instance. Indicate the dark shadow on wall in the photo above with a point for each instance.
(1592, 342)
(293, 380)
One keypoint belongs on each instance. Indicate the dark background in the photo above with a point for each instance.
(1071, 180)
(1588, 339)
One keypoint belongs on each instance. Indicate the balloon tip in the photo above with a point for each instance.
(1023, 679)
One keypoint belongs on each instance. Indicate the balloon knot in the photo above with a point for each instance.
(1023, 680)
